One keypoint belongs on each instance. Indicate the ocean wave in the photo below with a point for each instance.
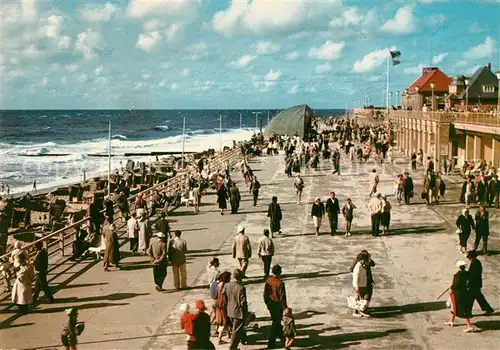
(162, 128)
(120, 137)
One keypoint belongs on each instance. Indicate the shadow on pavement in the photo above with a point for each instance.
(83, 285)
(488, 325)
(110, 297)
(397, 310)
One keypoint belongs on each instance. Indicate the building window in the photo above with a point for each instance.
(488, 88)
(453, 89)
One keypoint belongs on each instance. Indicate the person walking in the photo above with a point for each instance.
(274, 214)
(254, 189)
(494, 191)
(348, 213)
(385, 216)
(275, 300)
(333, 210)
(482, 229)
(408, 188)
(144, 233)
(222, 321)
(242, 249)
(467, 194)
(465, 225)
(22, 293)
(157, 252)
(133, 233)
(234, 198)
(375, 206)
(317, 213)
(162, 225)
(461, 301)
(360, 280)
(413, 161)
(196, 198)
(177, 249)
(336, 162)
(201, 327)
(222, 199)
(373, 180)
(237, 308)
(475, 283)
(266, 252)
(72, 329)
(41, 266)
(298, 184)
(369, 275)
(112, 251)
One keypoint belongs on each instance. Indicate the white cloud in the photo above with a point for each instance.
(436, 20)
(51, 26)
(172, 31)
(266, 47)
(328, 51)
(484, 50)
(198, 50)
(402, 23)
(323, 68)
(44, 81)
(310, 89)
(28, 9)
(171, 8)
(31, 52)
(146, 76)
(186, 72)
(272, 75)
(98, 71)
(137, 86)
(439, 58)
(351, 17)
(243, 61)
(98, 12)
(147, 41)
(262, 16)
(292, 56)
(72, 67)
(293, 90)
(86, 42)
(152, 25)
(173, 86)
(371, 61)
(417, 70)
(462, 63)
(64, 42)
(162, 83)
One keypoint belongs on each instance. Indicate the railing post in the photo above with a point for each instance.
(61, 242)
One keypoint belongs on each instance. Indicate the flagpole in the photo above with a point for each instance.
(183, 140)
(109, 159)
(387, 95)
(220, 131)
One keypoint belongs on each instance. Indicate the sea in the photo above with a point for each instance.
(53, 146)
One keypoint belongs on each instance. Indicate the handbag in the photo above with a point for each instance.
(213, 290)
(356, 304)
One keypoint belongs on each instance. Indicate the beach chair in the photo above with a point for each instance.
(99, 250)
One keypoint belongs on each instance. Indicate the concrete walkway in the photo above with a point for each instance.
(415, 263)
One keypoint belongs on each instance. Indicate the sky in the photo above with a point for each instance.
(242, 54)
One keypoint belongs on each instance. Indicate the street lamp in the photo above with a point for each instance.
(417, 102)
(466, 81)
(498, 102)
(432, 87)
(397, 94)
(390, 98)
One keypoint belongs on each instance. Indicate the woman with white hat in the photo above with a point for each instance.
(461, 301)
(317, 213)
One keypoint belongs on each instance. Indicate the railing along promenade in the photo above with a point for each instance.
(480, 119)
(57, 241)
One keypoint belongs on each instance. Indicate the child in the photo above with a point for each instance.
(72, 329)
(187, 324)
(5, 274)
(289, 328)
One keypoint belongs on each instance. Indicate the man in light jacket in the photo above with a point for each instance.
(157, 251)
(237, 307)
(177, 249)
(242, 249)
(266, 252)
(375, 207)
(133, 233)
(360, 280)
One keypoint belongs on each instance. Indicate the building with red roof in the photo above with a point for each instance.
(432, 83)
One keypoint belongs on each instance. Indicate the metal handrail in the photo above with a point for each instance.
(61, 235)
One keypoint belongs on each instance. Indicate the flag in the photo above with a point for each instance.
(395, 54)
(395, 62)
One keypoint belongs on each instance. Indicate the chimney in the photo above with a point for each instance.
(489, 66)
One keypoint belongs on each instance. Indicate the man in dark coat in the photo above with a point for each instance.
(494, 191)
(408, 187)
(348, 212)
(121, 201)
(274, 213)
(162, 225)
(482, 190)
(482, 229)
(254, 190)
(157, 251)
(234, 198)
(237, 307)
(41, 265)
(275, 299)
(336, 162)
(333, 210)
(465, 224)
(475, 283)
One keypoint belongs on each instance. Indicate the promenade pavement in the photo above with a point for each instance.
(415, 264)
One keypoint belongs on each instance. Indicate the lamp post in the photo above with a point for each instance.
(417, 100)
(432, 87)
(466, 81)
(390, 98)
(498, 102)
(397, 101)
